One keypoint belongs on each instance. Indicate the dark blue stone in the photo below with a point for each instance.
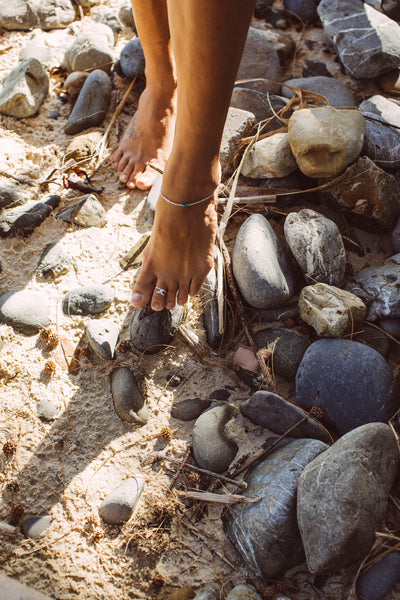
(132, 58)
(305, 9)
(378, 579)
(351, 382)
(381, 142)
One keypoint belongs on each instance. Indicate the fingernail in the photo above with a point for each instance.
(137, 298)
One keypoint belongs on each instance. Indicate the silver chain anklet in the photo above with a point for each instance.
(186, 203)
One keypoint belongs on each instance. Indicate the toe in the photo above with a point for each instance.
(145, 179)
(195, 286)
(171, 297)
(159, 296)
(183, 294)
(117, 156)
(143, 288)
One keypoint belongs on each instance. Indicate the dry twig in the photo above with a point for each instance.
(217, 498)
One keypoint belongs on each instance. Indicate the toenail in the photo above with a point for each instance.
(137, 298)
(156, 305)
(123, 178)
(170, 305)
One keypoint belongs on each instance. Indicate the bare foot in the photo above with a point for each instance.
(148, 138)
(179, 254)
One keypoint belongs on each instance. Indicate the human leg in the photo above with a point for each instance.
(149, 135)
(207, 40)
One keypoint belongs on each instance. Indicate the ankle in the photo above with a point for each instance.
(183, 181)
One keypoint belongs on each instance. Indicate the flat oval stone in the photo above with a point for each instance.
(337, 94)
(88, 300)
(317, 246)
(268, 528)
(118, 506)
(213, 449)
(53, 262)
(343, 494)
(24, 89)
(262, 265)
(376, 581)
(132, 58)
(129, 402)
(103, 337)
(25, 311)
(91, 107)
(325, 140)
(151, 331)
(273, 412)
(74, 83)
(270, 157)
(33, 526)
(23, 220)
(332, 312)
(189, 409)
(351, 382)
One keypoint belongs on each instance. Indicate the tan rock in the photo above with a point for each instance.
(270, 157)
(83, 147)
(74, 83)
(326, 140)
(332, 312)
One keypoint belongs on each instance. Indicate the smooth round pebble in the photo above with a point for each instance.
(25, 311)
(88, 300)
(129, 403)
(213, 448)
(118, 506)
(189, 409)
(376, 581)
(132, 58)
(33, 526)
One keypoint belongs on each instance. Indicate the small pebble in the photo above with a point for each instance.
(213, 448)
(103, 337)
(189, 409)
(32, 527)
(129, 403)
(119, 505)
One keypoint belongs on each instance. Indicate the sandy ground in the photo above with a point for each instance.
(67, 467)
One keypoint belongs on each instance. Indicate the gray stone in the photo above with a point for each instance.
(151, 331)
(261, 105)
(395, 235)
(91, 50)
(382, 135)
(243, 592)
(23, 91)
(368, 42)
(343, 495)
(368, 196)
(273, 412)
(11, 589)
(209, 302)
(91, 107)
(291, 311)
(189, 409)
(332, 312)
(118, 506)
(24, 310)
(317, 245)
(129, 403)
(304, 9)
(53, 262)
(132, 58)
(103, 15)
(47, 410)
(24, 219)
(213, 448)
(10, 196)
(88, 300)
(352, 383)
(325, 140)
(270, 157)
(337, 94)
(89, 212)
(74, 83)
(153, 196)
(238, 124)
(260, 61)
(265, 533)
(379, 286)
(376, 580)
(33, 526)
(22, 15)
(125, 15)
(103, 337)
(374, 338)
(287, 349)
(262, 265)
(391, 326)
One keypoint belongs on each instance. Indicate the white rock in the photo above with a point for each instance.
(270, 157)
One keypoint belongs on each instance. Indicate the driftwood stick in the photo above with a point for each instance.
(218, 498)
(181, 466)
(242, 315)
(268, 450)
(240, 484)
(6, 529)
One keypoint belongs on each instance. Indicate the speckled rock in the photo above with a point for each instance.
(367, 42)
(273, 412)
(88, 300)
(352, 383)
(24, 89)
(337, 94)
(22, 15)
(151, 331)
(54, 261)
(343, 494)
(103, 337)
(209, 302)
(119, 505)
(189, 409)
(129, 403)
(260, 61)
(243, 592)
(132, 58)
(382, 134)
(262, 265)
(376, 581)
(317, 245)
(378, 286)
(23, 220)
(287, 349)
(268, 528)
(92, 49)
(10, 196)
(213, 448)
(238, 124)
(33, 526)
(332, 312)
(14, 590)
(270, 157)
(24, 310)
(91, 107)
(368, 196)
(325, 140)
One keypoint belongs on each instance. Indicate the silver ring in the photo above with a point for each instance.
(160, 291)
